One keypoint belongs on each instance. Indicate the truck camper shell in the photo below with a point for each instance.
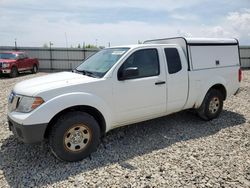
(204, 53)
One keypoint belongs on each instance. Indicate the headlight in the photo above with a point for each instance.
(27, 104)
(5, 65)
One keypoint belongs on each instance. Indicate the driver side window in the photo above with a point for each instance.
(20, 56)
(146, 60)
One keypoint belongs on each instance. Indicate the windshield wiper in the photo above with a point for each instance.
(87, 73)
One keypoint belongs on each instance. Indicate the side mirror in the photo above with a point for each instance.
(128, 73)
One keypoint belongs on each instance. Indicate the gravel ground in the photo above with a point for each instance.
(179, 150)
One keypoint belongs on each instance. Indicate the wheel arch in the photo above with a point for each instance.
(221, 88)
(218, 83)
(83, 108)
(218, 86)
(204, 110)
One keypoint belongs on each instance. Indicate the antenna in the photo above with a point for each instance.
(66, 40)
(67, 50)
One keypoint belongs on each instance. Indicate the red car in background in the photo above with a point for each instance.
(14, 62)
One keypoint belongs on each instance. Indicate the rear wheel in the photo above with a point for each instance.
(212, 105)
(13, 72)
(74, 136)
(34, 69)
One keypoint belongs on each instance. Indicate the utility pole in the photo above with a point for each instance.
(84, 50)
(96, 40)
(50, 44)
(15, 44)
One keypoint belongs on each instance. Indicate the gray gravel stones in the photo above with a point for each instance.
(179, 150)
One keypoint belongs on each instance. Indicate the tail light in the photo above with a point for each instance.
(240, 75)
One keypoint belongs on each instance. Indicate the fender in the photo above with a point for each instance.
(206, 86)
(55, 105)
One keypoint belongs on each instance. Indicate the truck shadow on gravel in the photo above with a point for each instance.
(34, 165)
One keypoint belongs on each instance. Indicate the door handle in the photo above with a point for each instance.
(160, 82)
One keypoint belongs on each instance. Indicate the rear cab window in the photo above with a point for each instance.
(173, 60)
(21, 56)
(25, 55)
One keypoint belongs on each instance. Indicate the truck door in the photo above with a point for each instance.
(27, 62)
(143, 95)
(177, 79)
(21, 62)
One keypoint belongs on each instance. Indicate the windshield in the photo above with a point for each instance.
(101, 62)
(7, 56)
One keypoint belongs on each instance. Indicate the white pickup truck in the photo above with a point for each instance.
(123, 85)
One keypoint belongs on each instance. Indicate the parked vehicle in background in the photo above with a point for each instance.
(123, 85)
(14, 62)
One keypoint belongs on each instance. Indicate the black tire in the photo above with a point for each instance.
(211, 106)
(58, 137)
(13, 72)
(34, 69)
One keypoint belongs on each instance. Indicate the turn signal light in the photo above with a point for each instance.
(37, 102)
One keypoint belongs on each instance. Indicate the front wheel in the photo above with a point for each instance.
(74, 136)
(212, 105)
(13, 72)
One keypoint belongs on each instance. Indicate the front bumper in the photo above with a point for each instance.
(5, 71)
(27, 133)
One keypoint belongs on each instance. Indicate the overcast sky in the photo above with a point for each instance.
(34, 23)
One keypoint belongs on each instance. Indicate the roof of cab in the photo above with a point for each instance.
(132, 46)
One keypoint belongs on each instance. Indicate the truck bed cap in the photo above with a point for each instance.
(211, 40)
(177, 40)
(188, 44)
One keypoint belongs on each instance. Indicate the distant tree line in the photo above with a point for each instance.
(88, 46)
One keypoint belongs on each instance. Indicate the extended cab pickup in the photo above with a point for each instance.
(14, 62)
(122, 85)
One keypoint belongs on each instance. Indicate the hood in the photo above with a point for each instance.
(33, 87)
(7, 60)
